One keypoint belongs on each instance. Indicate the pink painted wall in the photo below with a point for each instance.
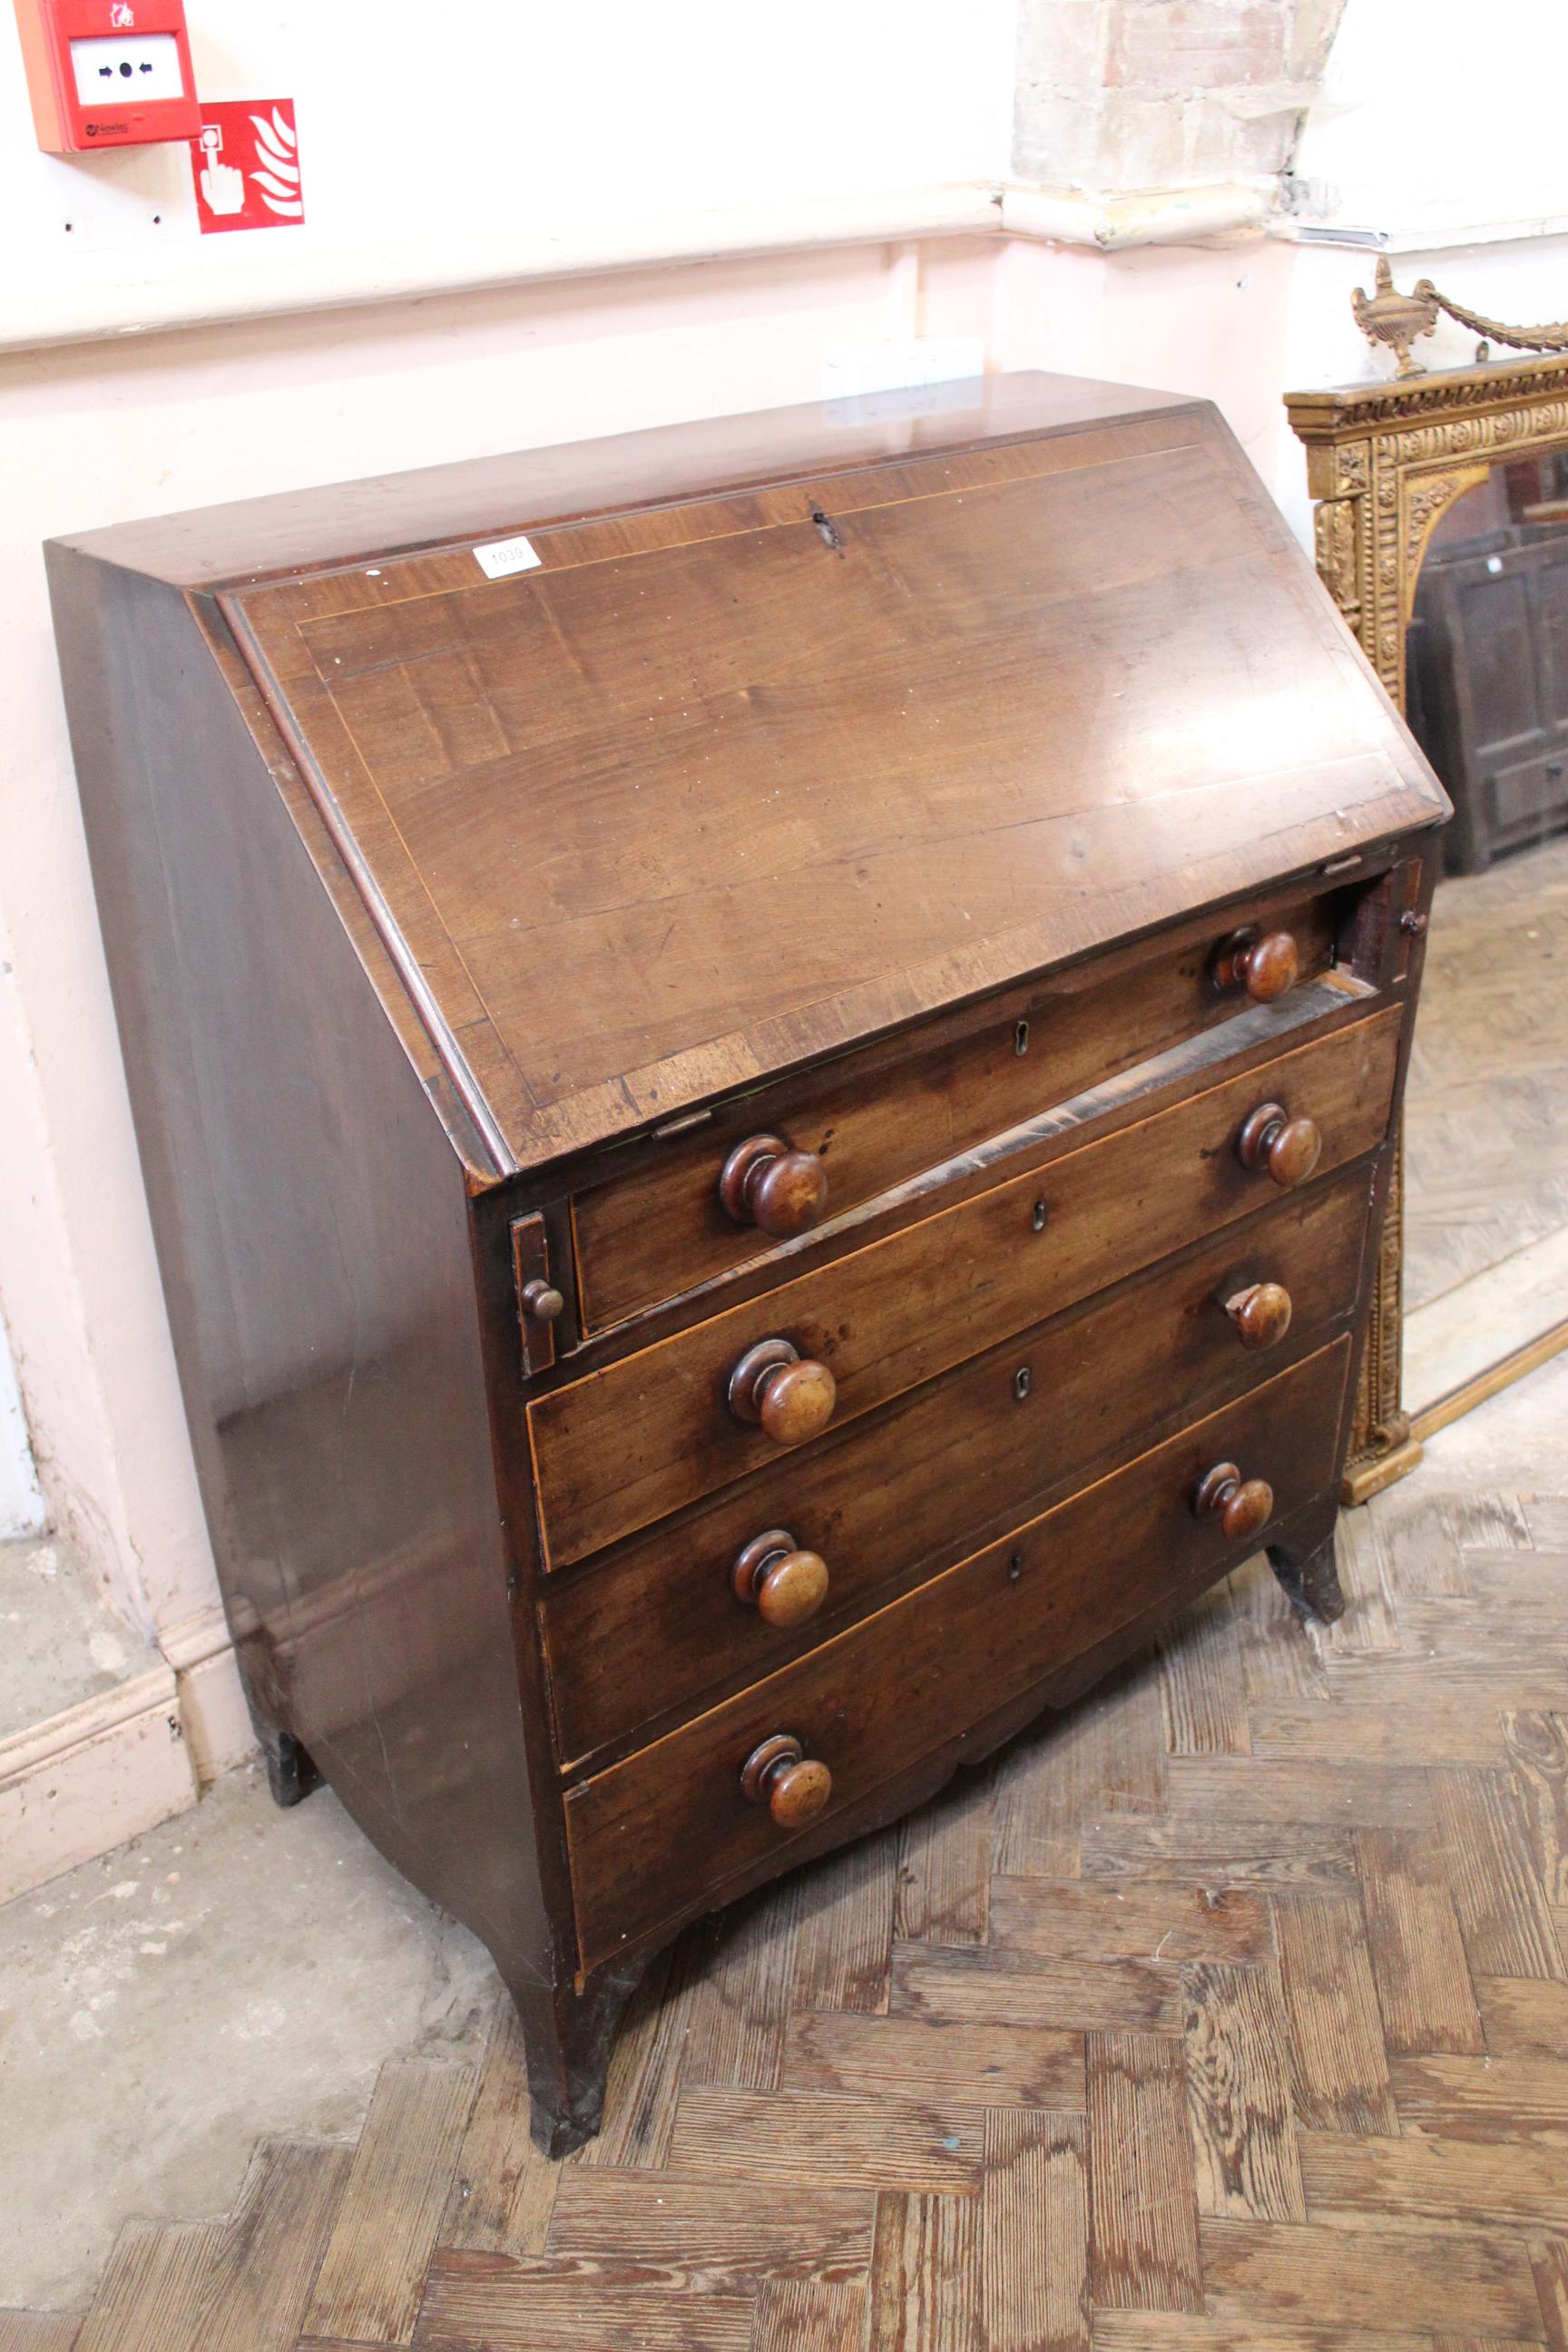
(96, 432)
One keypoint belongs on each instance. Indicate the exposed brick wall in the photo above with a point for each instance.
(1125, 94)
(1201, 44)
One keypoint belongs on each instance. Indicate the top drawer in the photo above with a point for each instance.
(869, 1124)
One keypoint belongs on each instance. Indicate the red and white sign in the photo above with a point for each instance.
(246, 163)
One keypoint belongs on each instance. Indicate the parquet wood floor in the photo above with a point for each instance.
(1230, 2014)
(1487, 1101)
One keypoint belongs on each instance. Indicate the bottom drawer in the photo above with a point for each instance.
(653, 1837)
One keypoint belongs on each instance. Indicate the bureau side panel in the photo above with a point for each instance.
(313, 1227)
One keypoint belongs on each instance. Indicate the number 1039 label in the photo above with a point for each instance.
(500, 558)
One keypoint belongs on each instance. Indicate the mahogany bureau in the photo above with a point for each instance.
(764, 1056)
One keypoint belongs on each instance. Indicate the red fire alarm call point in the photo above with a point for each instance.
(107, 73)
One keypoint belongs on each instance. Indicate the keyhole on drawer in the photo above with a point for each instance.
(1037, 1217)
(1022, 1381)
(1021, 1038)
(1015, 1567)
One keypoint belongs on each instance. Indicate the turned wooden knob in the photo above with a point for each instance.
(766, 1182)
(790, 1395)
(794, 1786)
(1288, 1148)
(1261, 1314)
(784, 1584)
(1243, 1508)
(1264, 966)
(541, 1300)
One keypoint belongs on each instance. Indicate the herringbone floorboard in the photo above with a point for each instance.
(1228, 2014)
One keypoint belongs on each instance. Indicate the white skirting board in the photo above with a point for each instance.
(213, 1713)
(77, 1786)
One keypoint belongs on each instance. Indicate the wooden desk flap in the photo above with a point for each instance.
(720, 785)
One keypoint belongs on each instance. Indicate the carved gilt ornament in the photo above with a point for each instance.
(1386, 316)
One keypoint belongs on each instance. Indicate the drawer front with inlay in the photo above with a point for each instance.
(657, 1835)
(733, 1589)
(771, 1167)
(655, 1431)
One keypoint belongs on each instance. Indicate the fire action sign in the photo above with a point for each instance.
(246, 163)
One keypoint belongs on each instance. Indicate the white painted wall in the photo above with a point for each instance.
(1438, 119)
(439, 143)
(21, 1505)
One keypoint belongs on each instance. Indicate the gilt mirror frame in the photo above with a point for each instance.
(1384, 461)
